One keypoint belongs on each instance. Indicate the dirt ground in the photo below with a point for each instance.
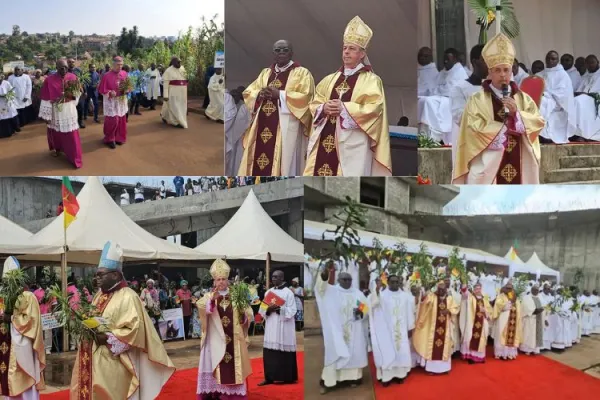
(152, 148)
(186, 354)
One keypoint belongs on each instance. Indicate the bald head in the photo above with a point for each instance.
(282, 52)
(175, 62)
(277, 278)
(61, 67)
(425, 56)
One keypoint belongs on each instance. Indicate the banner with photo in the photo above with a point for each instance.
(170, 326)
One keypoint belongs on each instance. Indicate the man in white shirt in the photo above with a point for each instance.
(163, 190)
(558, 104)
(427, 72)
(518, 73)
(279, 349)
(435, 117)
(567, 62)
(22, 85)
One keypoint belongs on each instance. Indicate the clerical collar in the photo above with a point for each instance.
(119, 285)
(350, 72)
(224, 292)
(282, 286)
(279, 69)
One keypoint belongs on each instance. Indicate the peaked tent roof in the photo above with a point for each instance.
(250, 234)
(512, 256)
(17, 240)
(537, 265)
(99, 220)
(516, 264)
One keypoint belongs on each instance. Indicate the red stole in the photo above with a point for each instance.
(267, 125)
(327, 160)
(509, 172)
(477, 325)
(85, 349)
(227, 364)
(439, 335)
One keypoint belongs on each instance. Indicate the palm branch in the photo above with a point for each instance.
(486, 15)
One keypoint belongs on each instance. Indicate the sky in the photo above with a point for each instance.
(505, 199)
(152, 17)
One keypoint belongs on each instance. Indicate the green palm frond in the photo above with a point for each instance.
(510, 24)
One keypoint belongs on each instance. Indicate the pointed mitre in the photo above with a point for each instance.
(358, 33)
(499, 51)
(10, 264)
(111, 257)
(220, 269)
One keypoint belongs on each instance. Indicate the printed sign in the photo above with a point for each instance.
(170, 326)
(220, 59)
(49, 322)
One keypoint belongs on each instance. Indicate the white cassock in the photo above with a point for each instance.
(467, 70)
(520, 76)
(391, 317)
(546, 299)
(561, 323)
(458, 100)
(596, 322)
(344, 337)
(529, 324)
(153, 85)
(434, 111)
(216, 91)
(280, 329)
(237, 120)
(586, 112)
(427, 77)
(558, 105)
(587, 315)
(575, 77)
(22, 86)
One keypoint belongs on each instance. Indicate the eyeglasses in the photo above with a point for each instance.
(281, 50)
(102, 274)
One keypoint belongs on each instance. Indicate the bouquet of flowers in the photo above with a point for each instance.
(12, 288)
(82, 322)
(126, 86)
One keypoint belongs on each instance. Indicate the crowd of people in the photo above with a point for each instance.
(284, 124)
(119, 91)
(132, 309)
(408, 327)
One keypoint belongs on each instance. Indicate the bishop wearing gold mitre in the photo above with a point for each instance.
(224, 360)
(275, 144)
(350, 129)
(498, 139)
(432, 338)
(22, 354)
(129, 361)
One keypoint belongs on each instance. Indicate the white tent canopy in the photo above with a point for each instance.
(17, 240)
(99, 220)
(250, 234)
(540, 268)
(516, 264)
(314, 231)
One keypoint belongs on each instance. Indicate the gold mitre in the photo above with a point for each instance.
(499, 51)
(358, 33)
(220, 269)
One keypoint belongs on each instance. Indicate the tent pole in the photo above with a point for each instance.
(63, 279)
(268, 271)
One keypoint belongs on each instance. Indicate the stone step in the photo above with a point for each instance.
(584, 149)
(582, 175)
(592, 161)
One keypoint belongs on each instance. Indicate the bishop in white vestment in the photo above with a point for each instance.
(343, 311)
(391, 318)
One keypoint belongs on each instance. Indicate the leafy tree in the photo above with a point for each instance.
(16, 30)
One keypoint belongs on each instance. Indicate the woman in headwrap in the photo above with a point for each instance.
(151, 302)
(184, 296)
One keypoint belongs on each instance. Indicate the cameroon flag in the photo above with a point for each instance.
(70, 204)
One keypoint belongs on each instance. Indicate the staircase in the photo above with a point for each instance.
(574, 164)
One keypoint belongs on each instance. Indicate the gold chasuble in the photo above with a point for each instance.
(227, 337)
(18, 370)
(364, 100)
(262, 142)
(509, 323)
(432, 336)
(493, 147)
(145, 366)
(477, 310)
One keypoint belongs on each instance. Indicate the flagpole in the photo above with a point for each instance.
(63, 275)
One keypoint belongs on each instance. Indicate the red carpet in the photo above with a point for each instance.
(182, 385)
(525, 378)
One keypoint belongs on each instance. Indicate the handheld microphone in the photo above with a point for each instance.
(505, 94)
